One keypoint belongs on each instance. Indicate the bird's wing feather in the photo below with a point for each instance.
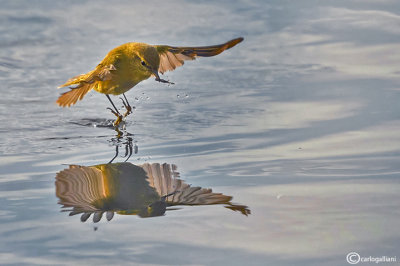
(101, 73)
(172, 57)
(85, 83)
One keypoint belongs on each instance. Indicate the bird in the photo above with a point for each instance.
(147, 190)
(127, 65)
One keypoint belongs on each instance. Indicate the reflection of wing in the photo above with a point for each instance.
(164, 179)
(172, 57)
(79, 187)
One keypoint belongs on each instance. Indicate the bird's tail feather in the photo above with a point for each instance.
(84, 82)
(71, 97)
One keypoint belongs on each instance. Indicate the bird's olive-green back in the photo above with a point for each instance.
(129, 71)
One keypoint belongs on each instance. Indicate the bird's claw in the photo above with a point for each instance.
(127, 107)
(113, 112)
(119, 133)
(118, 115)
(117, 121)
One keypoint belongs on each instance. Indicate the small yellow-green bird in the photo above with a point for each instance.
(130, 63)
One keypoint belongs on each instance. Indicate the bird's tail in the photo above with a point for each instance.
(85, 83)
(71, 97)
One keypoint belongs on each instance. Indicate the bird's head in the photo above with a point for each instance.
(148, 59)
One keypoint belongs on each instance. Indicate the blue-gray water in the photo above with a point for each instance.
(300, 122)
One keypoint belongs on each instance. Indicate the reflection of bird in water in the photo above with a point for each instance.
(124, 188)
(128, 64)
(123, 139)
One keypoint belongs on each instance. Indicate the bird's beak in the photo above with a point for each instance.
(155, 72)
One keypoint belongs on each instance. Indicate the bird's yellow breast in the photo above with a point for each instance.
(128, 71)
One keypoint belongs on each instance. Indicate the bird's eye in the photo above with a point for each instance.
(143, 63)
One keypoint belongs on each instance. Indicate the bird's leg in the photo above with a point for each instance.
(116, 154)
(116, 112)
(128, 148)
(128, 107)
(117, 121)
(119, 133)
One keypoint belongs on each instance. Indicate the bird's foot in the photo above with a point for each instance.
(118, 115)
(117, 121)
(119, 132)
(128, 107)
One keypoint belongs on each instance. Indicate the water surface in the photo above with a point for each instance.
(300, 123)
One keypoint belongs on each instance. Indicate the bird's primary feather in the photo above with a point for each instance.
(172, 57)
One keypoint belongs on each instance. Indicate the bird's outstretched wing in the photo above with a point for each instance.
(172, 57)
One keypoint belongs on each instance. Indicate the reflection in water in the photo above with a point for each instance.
(124, 139)
(124, 188)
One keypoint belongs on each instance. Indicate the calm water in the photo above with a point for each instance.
(300, 124)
